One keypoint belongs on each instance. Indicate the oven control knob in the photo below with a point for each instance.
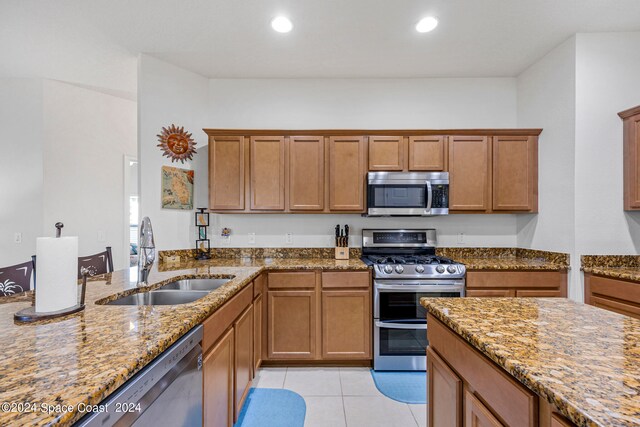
(388, 269)
(419, 269)
(440, 269)
(399, 269)
(451, 269)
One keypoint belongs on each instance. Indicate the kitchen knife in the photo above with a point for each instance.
(338, 235)
(346, 235)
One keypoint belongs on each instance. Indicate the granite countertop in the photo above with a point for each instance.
(507, 259)
(625, 267)
(513, 264)
(83, 358)
(582, 359)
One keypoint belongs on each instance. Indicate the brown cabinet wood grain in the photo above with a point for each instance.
(243, 358)
(257, 332)
(469, 173)
(306, 173)
(226, 173)
(347, 171)
(427, 153)
(267, 172)
(346, 324)
(516, 283)
(217, 368)
(631, 156)
(515, 173)
(476, 414)
(444, 391)
(292, 324)
(386, 153)
(620, 296)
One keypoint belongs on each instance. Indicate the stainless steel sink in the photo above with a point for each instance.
(195, 284)
(160, 297)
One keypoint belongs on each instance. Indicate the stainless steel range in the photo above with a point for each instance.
(405, 269)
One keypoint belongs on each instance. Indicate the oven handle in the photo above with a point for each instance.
(391, 325)
(420, 288)
(429, 197)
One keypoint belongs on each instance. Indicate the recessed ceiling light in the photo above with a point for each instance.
(281, 24)
(426, 24)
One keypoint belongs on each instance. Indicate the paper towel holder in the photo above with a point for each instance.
(29, 314)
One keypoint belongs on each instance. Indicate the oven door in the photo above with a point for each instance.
(400, 345)
(398, 197)
(393, 302)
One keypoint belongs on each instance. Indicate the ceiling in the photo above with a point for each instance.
(330, 39)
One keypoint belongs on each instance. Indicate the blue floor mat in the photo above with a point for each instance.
(272, 407)
(403, 386)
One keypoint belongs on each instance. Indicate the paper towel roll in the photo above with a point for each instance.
(57, 273)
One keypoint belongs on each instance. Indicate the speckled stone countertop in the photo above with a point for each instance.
(507, 259)
(625, 267)
(83, 358)
(582, 359)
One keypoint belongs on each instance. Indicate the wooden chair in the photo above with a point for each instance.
(99, 263)
(16, 279)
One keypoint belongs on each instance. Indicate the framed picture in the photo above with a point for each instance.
(202, 219)
(177, 188)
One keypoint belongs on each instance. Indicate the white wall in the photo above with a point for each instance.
(20, 168)
(170, 95)
(86, 135)
(368, 104)
(607, 70)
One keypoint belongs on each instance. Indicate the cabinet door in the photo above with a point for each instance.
(476, 414)
(515, 173)
(257, 333)
(444, 391)
(226, 172)
(267, 172)
(217, 367)
(292, 324)
(559, 421)
(386, 153)
(469, 173)
(347, 173)
(243, 358)
(632, 161)
(346, 324)
(306, 173)
(427, 153)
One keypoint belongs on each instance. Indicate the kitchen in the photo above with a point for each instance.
(281, 133)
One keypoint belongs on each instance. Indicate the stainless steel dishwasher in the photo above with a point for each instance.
(167, 392)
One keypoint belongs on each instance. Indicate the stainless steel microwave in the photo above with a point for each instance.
(407, 193)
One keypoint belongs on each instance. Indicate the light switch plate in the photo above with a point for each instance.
(252, 238)
(289, 239)
(17, 237)
(460, 238)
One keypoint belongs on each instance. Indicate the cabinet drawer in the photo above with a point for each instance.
(620, 307)
(516, 279)
(489, 293)
(516, 405)
(349, 279)
(291, 280)
(538, 293)
(219, 321)
(619, 289)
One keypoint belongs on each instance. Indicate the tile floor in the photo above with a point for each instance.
(341, 397)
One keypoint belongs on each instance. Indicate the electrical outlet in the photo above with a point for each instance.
(252, 238)
(17, 237)
(289, 239)
(102, 236)
(461, 238)
(225, 240)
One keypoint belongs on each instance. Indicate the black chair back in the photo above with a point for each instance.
(100, 263)
(15, 279)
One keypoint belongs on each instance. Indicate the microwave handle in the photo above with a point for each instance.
(429, 197)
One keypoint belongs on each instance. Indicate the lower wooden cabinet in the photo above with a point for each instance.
(346, 324)
(291, 328)
(217, 367)
(476, 414)
(257, 333)
(516, 284)
(243, 358)
(620, 296)
(444, 391)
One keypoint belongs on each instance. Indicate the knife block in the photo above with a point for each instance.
(342, 252)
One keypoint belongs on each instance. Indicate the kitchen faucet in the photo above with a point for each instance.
(146, 250)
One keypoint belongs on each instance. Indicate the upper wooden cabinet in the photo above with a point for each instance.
(515, 173)
(469, 173)
(631, 130)
(427, 153)
(386, 153)
(267, 172)
(347, 173)
(226, 172)
(306, 173)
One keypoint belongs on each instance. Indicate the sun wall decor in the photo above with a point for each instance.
(176, 143)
